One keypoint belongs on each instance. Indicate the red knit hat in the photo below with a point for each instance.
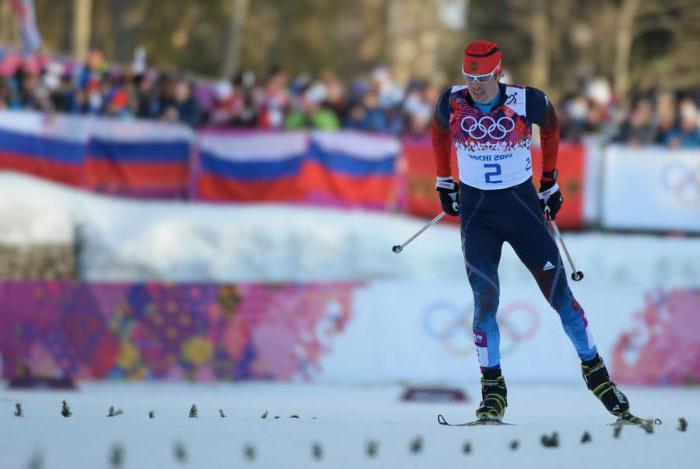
(481, 58)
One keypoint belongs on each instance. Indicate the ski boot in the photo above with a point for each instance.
(493, 396)
(595, 374)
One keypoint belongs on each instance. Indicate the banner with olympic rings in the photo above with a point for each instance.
(651, 189)
(420, 331)
(416, 331)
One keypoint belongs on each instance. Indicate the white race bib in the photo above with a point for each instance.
(493, 149)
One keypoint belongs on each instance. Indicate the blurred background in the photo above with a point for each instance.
(209, 191)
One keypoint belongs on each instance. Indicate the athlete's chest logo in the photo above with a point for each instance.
(487, 127)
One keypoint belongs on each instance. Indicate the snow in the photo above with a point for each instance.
(347, 418)
(33, 220)
(135, 240)
(131, 240)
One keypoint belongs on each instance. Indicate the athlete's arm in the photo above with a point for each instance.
(442, 145)
(541, 112)
(440, 135)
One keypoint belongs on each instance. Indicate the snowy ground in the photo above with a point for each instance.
(128, 240)
(346, 419)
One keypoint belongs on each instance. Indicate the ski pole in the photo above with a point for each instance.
(399, 247)
(576, 275)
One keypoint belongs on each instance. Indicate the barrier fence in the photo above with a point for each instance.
(149, 159)
(407, 331)
(651, 189)
(336, 168)
(612, 187)
(169, 331)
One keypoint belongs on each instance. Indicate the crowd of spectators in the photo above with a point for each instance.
(275, 101)
(278, 101)
(656, 118)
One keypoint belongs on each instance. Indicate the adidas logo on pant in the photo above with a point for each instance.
(548, 266)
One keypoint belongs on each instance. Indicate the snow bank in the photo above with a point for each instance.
(27, 218)
(131, 240)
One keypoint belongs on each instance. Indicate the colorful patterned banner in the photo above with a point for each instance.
(663, 346)
(413, 331)
(161, 331)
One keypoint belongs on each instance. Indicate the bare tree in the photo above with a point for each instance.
(629, 9)
(8, 24)
(239, 14)
(82, 11)
(541, 42)
(636, 44)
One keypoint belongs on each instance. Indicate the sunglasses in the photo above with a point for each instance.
(480, 78)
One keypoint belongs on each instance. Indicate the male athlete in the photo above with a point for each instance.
(490, 125)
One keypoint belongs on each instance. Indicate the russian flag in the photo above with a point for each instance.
(52, 147)
(31, 39)
(139, 158)
(251, 166)
(352, 168)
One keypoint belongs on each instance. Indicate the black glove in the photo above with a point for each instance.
(550, 198)
(449, 192)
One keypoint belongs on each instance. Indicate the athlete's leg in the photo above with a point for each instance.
(537, 249)
(481, 245)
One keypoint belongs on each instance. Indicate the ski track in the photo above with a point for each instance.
(347, 418)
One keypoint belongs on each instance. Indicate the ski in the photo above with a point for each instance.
(629, 419)
(481, 421)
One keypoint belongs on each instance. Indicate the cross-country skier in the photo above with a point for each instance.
(490, 124)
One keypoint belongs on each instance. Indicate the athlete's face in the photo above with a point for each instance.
(483, 91)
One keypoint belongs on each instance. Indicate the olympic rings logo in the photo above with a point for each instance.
(487, 126)
(451, 325)
(683, 181)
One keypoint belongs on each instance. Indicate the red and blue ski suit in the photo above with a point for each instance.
(498, 203)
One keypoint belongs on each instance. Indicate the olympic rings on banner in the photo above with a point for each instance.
(451, 325)
(487, 126)
(520, 323)
(683, 181)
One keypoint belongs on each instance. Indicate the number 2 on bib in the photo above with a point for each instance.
(495, 171)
